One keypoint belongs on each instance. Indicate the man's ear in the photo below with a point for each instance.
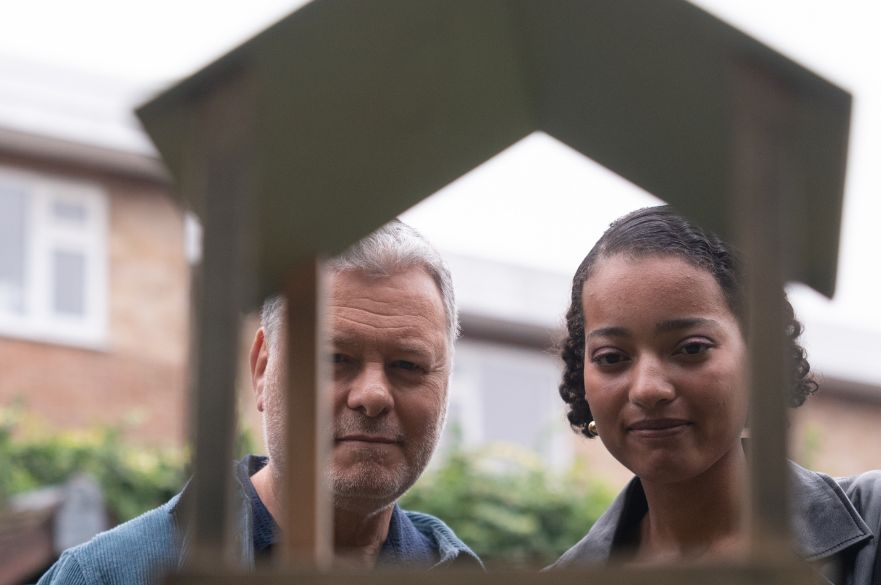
(259, 359)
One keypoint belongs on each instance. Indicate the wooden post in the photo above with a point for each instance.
(308, 513)
(221, 170)
(763, 150)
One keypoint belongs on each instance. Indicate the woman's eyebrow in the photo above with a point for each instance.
(662, 327)
(679, 324)
(609, 332)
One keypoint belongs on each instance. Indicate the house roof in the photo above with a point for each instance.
(360, 112)
(57, 113)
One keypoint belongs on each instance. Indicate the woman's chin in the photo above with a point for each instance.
(665, 470)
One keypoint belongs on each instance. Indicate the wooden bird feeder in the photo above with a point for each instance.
(344, 114)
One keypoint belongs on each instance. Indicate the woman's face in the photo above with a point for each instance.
(663, 366)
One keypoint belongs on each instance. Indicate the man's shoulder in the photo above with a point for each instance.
(450, 548)
(131, 554)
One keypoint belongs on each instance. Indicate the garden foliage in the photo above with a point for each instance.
(504, 502)
(510, 507)
(133, 478)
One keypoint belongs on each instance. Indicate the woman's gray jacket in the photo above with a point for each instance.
(836, 525)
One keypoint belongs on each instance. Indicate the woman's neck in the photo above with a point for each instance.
(697, 517)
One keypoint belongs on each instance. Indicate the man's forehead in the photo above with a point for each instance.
(414, 341)
(406, 303)
(400, 290)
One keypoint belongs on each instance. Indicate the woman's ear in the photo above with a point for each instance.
(259, 359)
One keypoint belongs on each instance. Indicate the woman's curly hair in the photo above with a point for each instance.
(661, 231)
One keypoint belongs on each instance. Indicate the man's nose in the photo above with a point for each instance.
(651, 387)
(370, 391)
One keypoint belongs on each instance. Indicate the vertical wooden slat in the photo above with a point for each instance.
(219, 171)
(308, 513)
(762, 150)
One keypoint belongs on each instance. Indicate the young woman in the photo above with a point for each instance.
(654, 366)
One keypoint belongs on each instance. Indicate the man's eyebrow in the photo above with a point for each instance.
(342, 340)
(405, 345)
(678, 324)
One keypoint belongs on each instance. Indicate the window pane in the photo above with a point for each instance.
(519, 409)
(13, 248)
(68, 211)
(69, 282)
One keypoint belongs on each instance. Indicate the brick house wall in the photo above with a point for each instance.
(136, 377)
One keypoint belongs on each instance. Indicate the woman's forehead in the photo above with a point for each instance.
(623, 286)
(632, 265)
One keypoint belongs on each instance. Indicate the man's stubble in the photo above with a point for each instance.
(369, 479)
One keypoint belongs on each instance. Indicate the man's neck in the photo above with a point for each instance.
(358, 536)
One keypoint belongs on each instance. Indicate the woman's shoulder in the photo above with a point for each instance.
(594, 548)
(868, 480)
(601, 541)
(864, 491)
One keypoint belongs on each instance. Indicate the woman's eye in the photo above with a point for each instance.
(693, 348)
(609, 359)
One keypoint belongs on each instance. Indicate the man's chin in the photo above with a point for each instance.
(367, 491)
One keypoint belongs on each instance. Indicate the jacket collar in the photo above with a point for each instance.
(623, 515)
(824, 521)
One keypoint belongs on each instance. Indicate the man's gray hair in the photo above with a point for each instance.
(393, 248)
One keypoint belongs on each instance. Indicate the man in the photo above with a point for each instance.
(393, 321)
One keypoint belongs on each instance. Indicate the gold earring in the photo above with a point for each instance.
(592, 429)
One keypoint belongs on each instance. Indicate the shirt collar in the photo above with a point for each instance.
(264, 528)
(405, 544)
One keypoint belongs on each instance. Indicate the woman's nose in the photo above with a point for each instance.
(370, 391)
(651, 387)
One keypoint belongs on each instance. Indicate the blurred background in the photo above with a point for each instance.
(95, 261)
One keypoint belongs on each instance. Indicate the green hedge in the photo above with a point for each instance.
(505, 503)
(508, 506)
(133, 478)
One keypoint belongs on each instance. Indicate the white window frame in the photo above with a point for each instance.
(47, 234)
(468, 398)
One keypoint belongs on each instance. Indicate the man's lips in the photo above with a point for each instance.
(658, 427)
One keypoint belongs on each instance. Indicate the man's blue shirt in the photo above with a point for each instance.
(154, 543)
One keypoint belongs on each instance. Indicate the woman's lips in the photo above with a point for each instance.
(652, 428)
(367, 439)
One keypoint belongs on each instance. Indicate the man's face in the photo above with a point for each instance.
(390, 355)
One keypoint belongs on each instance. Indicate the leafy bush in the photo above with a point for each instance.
(133, 478)
(508, 506)
(503, 502)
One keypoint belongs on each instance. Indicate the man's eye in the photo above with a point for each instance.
(340, 358)
(405, 365)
